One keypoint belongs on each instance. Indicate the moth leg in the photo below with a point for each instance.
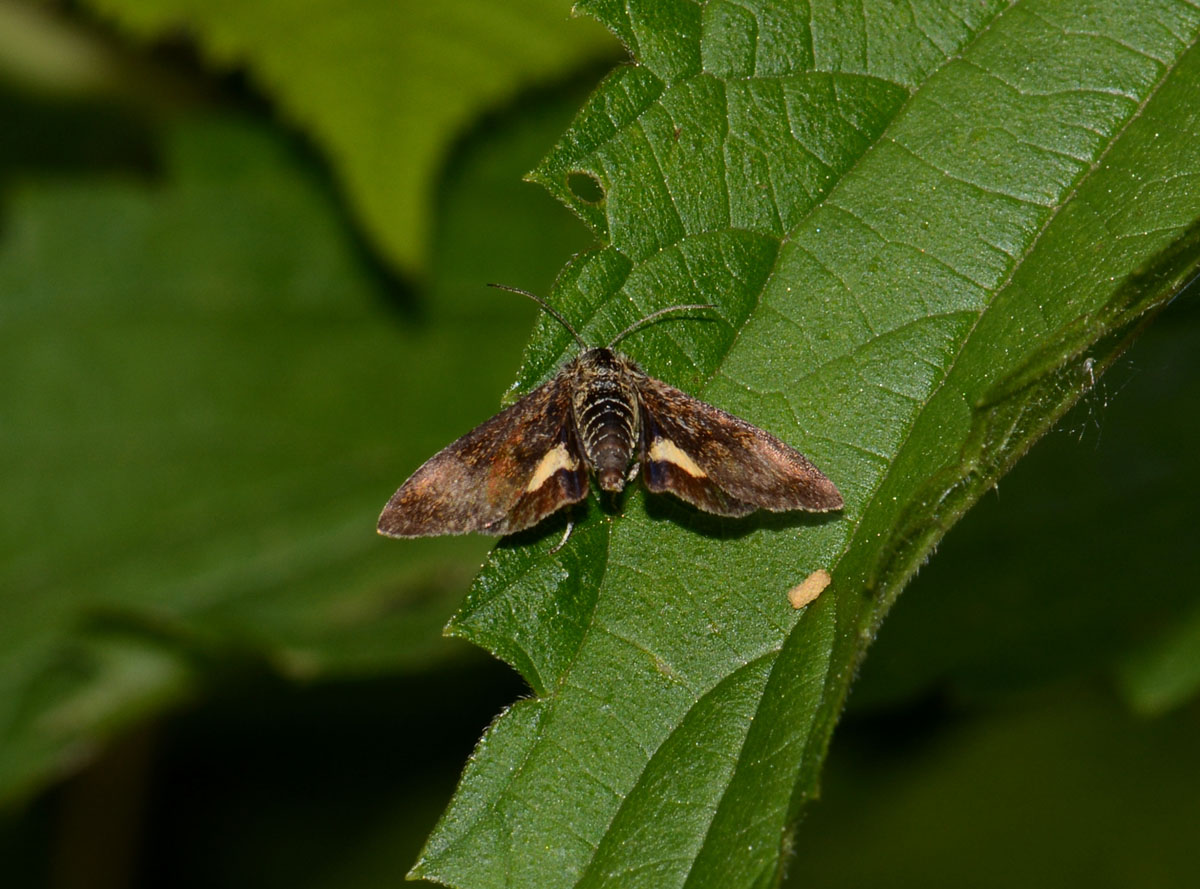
(634, 470)
(566, 536)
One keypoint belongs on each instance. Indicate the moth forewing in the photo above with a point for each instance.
(505, 475)
(721, 463)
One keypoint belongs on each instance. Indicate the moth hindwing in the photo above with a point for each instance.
(601, 414)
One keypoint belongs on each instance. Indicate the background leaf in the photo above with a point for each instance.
(383, 87)
(914, 293)
(220, 390)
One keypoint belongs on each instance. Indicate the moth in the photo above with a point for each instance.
(602, 415)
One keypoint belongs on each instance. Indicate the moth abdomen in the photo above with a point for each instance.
(606, 415)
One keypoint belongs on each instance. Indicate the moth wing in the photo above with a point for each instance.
(720, 463)
(505, 475)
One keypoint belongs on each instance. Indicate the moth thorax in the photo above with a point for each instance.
(606, 415)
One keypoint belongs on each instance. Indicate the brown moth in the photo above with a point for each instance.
(602, 414)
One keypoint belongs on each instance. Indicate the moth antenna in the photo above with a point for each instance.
(652, 316)
(549, 309)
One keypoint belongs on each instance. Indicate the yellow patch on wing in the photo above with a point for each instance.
(556, 459)
(664, 450)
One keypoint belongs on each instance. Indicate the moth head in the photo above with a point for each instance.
(603, 360)
(606, 370)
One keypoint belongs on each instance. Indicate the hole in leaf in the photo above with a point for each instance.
(585, 186)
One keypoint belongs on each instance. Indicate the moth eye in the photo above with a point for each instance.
(585, 186)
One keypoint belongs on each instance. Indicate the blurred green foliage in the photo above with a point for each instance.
(216, 369)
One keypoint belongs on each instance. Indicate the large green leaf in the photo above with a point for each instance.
(383, 86)
(927, 228)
